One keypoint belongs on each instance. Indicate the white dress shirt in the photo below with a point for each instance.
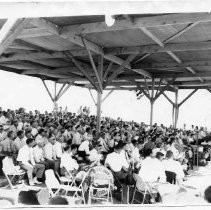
(68, 162)
(34, 132)
(151, 170)
(116, 161)
(84, 147)
(25, 155)
(174, 166)
(57, 148)
(94, 155)
(19, 143)
(76, 138)
(49, 152)
(38, 154)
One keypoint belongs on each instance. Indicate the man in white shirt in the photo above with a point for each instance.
(118, 164)
(41, 136)
(67, 161)
(19, 142)
(151, 170)
(77, 138)
(83, 150)
(34, 131)
(50, 153)
(174, 166)
(95, 155)
(39, 155)
(26, 161)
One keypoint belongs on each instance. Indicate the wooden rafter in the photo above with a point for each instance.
(163, 20)
(60, 91)
(49, 93)
(93, 99)
(164, 88)
(161, 44)
(7, 36)
(80, 68)
(120, 69)
(54, 29)
(187, 97)
(94, 68)
(108, 94)
(168, 98)
(64, 91)
(149, 49)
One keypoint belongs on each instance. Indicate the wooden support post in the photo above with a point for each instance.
(109, 93)
(48, 90)
(99, 102)
(93, 99)
(64, 91)
(152, 100)
(57, 97)
(176, 109)
(184, 100)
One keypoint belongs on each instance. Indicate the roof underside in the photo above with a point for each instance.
(174, 50)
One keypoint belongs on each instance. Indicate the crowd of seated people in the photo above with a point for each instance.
(57, 140)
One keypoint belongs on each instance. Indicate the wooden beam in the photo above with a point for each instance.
(60, 91)
(93, 99)
(94, 68)
(181, 75)
(160, 82)
(164, 88)
(108, 94)
(41, 55)
(19, 25)
(187, 97)
(149, 49)
(33, 46)
(173, 65)
(161, 44)
(54, 29)
(49, 93)
(64, 91)
(125, 24)
(107, 70)
(33, 32)
(168, 98)
(120, 69)
(80, 68)
(142, 90)
(100, 67)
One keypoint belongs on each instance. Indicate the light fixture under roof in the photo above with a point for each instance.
(109, 20)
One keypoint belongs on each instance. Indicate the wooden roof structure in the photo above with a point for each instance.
(139, 50)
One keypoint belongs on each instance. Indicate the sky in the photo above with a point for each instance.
(24, 91)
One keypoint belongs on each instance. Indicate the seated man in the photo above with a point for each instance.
(84, 151)
(67, 161)
(26, 161)
(118, 164)
(69, 166)
(95, 155)
(174, 166)
(50, 154)
(151, 170)
(39, 156)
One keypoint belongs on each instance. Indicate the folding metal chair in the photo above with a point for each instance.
(145, 189)
(100, 188)
(13, 174)
(55, 188)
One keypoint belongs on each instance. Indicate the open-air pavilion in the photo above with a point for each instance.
(147, 53)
